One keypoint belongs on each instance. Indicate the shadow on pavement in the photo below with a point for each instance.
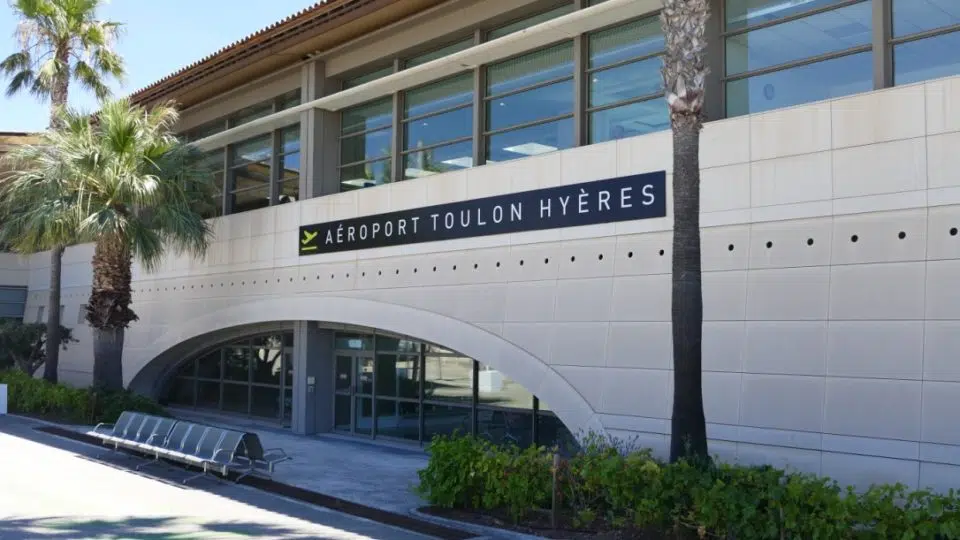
(259, 492)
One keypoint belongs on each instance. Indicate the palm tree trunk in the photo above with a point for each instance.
(688, 430)
(58, 99)
(52, 352)
(109, 311)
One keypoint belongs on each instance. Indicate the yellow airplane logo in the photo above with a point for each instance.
(307, 238)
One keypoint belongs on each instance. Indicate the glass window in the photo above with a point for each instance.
(496, 389)
(438, 159)
(530, 69)
(288, 100)
(505, 427)
(530, 141)
(530, 21)
(812, 82)
(206, 130)
(365, 78)
(366, 117)
(744, 13)
(435, 116)
(365, 147)
(928, 58)
(236, 364)
(363, 175)
(342, 412)
(439, 96)
(915, 16)
(816, 35)
(208, 394)
(541, 102)
(208, 366)
(440, 53)
(186, 369)
(627, 82)
(392, 344)
(632, 40)
(289, 165)
(448, 378)
(181, 391)
(267, 364)
(629, 120)
(355, 342)
(398, 419)
(445, 420)
(265, 401)
(252, 151)
(236, 398)
(398, 376)
(251, 113)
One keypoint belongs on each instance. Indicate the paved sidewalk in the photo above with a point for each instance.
(51, 488)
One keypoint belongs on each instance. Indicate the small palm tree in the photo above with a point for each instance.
(684, 73)
(60, 41)
(124, 181)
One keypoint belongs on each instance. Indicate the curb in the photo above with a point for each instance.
(485, 532)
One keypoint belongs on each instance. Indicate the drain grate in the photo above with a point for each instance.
(312, 497)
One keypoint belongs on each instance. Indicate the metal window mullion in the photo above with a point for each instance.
(531, 123)
(580, 57)
(534, 86)
(882, 49)
(621, 63)
(396, 143)
(479, 105)
(621, 103)
(227, 186)
(790, 18)
(476, 397)
(935, 32)
(275, 167)
(799, 63)
(436, 113)
(422, 379)
(447, 142)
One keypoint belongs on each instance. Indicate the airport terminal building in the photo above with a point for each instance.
(455, 214)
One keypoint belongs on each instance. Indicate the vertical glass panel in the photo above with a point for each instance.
(206, 130)
(362, 175)
(816, 35)
(440, 53)
(398, 419)
(530, 21)
(370, 145)
(367, 77)
(251, 113)
(530, 141)
(252, 150)
(186, 369)
(445, 420)
(505, 427)
(448, 378)
(181, 391)
(364, 375)
(341, 413)
(288, 367)
(398, 376)
(529, 69)
(290, 166)
(289, 191)
(354, 342)
(208, 394)
(926, 59)
(392, 344)
(208, 366)
(290, 99)
(913, 16)
(629, 120)
(265, 401)
(435, 129)
(366, 117)
(250, 199)
(364, 412)
(290, 139)
(344, 374)
(236, 363)
(537, 104)
(631, 40)
(457, 90)
(803, 84)
(629, 81)
(551, 432)
(236, 398)
(267, 364)
(287, 406)
(251, 175)
(743, 13)
(438, 159)
(494, 388)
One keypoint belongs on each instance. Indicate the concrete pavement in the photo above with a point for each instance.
(51, 487)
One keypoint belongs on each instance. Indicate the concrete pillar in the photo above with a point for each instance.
(319, 135)
(312, 379)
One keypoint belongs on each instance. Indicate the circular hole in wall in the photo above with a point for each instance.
(414, 270)
(600, 257)
(902, 235)
(397, 272)
(331, 277)
(730, 247)
(498, 264)
(454, 267)
(953, 231)
(854, 238)
(546, 261)
(434, 268)
(521, 262)
(572, 259)
(629, 254)
(379, 272)
(661, 252)
(809, 241)
(363, 274)
(475, 266)
(769, 245)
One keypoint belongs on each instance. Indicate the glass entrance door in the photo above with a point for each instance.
(353, 402)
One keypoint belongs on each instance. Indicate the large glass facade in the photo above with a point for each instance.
(926, 38)
(437, 127)
(777, 57)
(397, 388)
(366, 145)
(252, 376)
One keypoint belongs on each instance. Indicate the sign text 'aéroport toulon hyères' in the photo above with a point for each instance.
(640, 196)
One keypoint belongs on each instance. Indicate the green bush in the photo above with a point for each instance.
(722, 501)
(27, 395)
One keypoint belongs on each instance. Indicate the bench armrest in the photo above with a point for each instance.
(219, 451)
(103, 424)
(275, 455)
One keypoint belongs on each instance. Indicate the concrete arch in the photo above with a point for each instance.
(520, 365)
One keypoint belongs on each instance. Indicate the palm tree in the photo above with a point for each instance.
(684, 23)
(126, 182)
(60, 41)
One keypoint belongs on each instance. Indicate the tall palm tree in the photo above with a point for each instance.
(60, 41)
(125, 182)
(684, 23)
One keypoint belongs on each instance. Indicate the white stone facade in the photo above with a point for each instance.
(831, 355)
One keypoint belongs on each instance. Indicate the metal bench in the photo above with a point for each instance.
(256, 459)
(104, 429)
(120, 432)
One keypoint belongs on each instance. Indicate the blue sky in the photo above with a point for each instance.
(159, 37)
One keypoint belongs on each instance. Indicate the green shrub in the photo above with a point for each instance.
(721, 501)
(27, 395)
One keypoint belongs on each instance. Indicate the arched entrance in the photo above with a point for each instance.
(475, 362)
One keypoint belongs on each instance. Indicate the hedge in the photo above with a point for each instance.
(633, 489)
(27, 395)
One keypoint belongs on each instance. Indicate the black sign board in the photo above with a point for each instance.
(627, 198)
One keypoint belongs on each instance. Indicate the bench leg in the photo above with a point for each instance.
(149, 462)
(194, 477)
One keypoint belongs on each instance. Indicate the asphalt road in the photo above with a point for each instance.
(55, 488)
